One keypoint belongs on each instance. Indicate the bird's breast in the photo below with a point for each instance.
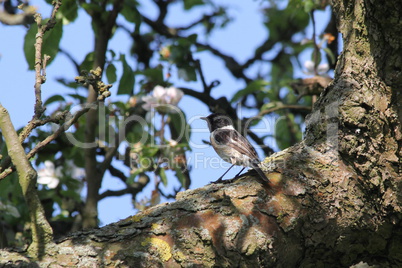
(229, 154)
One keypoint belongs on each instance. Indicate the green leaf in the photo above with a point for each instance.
(50, 45)
(189, 4)
(330, 55)
(54, 98)
(130, 12)
(179, 129)
(132, 176)
(283, 24)
(282, 70)
(162, 175)
(127, 80)
(287, 131)
(92, 8)
(149, 151)
(271, 105)
(81, 99)
(154, 74)
(88, 62)
(255, 86)
(187, 73)
(69, 11)
(316, 57)
(70, 84)
(192, 38)
(70, 193)
(180, 176)
(111, 73)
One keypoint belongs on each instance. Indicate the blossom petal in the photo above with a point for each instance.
(159, 92)
(175, 95)
(53, 183)
(309, 65)
(323, 68)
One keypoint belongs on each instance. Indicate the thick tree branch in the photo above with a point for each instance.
(42, 233)
(103, 31)
(117, 173)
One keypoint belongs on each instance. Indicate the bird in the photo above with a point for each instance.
(231, 146)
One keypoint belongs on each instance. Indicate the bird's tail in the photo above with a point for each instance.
(260, 172)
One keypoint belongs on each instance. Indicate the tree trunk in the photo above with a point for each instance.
(334, 199)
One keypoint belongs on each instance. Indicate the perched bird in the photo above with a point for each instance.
(230, 145)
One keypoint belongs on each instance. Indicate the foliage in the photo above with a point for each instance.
(157, 140)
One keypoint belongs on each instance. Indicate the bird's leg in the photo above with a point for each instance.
(240, 172)
(220, 178)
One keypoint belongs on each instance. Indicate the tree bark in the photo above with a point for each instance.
(334, 200)
(103, 31)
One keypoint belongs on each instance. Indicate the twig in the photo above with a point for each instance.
(200, 20)
(60, 130)
(284, 106)
(70, 57)
(50, 138)
(132, 189)
(316, 48)
(234, 67)
(37, 123)
(39, 79)
(40, 66)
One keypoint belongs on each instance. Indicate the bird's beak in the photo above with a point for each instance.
(203, 118)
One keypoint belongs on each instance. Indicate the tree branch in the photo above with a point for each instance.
(233, 66)
(40, 65)
(50, 138)
(117, 173)
(42, 233)
(284, 106)
(103, 31)
(70, 57)
(9, 15)
(133, 189)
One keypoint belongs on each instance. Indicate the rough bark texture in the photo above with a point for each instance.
(103, 27)
(42, 233)
(334, 200)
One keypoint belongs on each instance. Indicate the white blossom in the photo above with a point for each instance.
(47, 175)
(162, 98)
(50, 176)
(321, 69)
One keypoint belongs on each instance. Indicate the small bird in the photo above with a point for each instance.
(231, 146)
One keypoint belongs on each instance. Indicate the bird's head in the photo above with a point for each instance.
(217, 120)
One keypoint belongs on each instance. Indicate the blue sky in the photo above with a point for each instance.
(239, 39)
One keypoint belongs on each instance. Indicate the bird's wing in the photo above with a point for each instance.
(235, 140)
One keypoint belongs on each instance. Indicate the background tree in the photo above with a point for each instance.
(320, 192)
